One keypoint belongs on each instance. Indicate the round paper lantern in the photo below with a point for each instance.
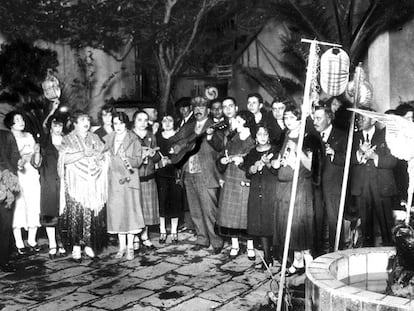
(334, 71)
(50, 87)
(365, 93)
(211, 92)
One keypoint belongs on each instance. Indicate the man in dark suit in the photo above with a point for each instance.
(332, 168)
(9, 156)
(372, 182)
(185, 111)
(275, 122)
(201, 177)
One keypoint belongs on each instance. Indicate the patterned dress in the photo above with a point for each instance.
(149, 193)
(27, 210)
(85, 187)
(232, 218)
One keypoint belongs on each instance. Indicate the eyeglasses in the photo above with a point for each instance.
(124, 180)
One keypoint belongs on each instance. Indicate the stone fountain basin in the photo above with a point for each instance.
(325, 290)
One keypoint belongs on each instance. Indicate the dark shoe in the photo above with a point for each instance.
(22, 251)
(217, 250)
(294, 270)
(163, 238)
(174, 238)
(35, 249)
(148, 244)
(6, 267)
(52, 253)
(251, 254)
(76, 260)
(199, 247)
(234, 252)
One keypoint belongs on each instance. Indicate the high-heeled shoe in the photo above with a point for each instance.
(251, 255)
(89, 252)
(52, 253)
(163, 238)
(234, 252)
(22, 251)
(35, 249)
(148, 244)
(174, 238)
(120, 253)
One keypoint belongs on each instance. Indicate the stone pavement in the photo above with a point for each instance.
(171, 277)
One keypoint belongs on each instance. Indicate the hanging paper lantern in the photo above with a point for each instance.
(334, 71)
(211, 92)
(50, 87)
(365, 93)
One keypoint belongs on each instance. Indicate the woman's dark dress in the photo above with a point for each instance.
(302, 225)
(263, 185)
(170, 193)
(49, 184)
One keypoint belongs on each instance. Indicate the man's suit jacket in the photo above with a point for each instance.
(276, 133)
(333, 170)
(380, 178)
(9, 152)
(206, 153)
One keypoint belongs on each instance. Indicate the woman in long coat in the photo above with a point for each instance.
(124, 211)
(50, 184)
(232, 213)
(149, 192)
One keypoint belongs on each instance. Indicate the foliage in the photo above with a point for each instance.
(353, 24)
(9, 187)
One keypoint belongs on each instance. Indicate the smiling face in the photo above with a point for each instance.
(253, 105)
(291, 121)
(18, 123)
(119, 126)
(56, 128)
(141, 121)
(364, 123)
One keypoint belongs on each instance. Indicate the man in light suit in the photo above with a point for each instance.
(9, 156)
(372, 184)
(332, 169)
(201, 177)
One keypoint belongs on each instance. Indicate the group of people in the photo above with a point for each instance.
(232, 168)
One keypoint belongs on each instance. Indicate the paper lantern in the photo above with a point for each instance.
(334, 71)
(211, 92)
(50, 87)
(365, 93)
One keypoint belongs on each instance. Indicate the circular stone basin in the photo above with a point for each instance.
(326, 290)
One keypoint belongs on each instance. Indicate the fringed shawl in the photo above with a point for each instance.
(85, 180)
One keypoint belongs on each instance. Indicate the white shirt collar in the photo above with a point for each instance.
(326, 132)
(370, 133)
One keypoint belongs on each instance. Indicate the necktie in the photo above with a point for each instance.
(367, 138)
(323, 137)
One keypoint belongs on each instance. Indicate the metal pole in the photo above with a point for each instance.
(347, 158)
(305, 109)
